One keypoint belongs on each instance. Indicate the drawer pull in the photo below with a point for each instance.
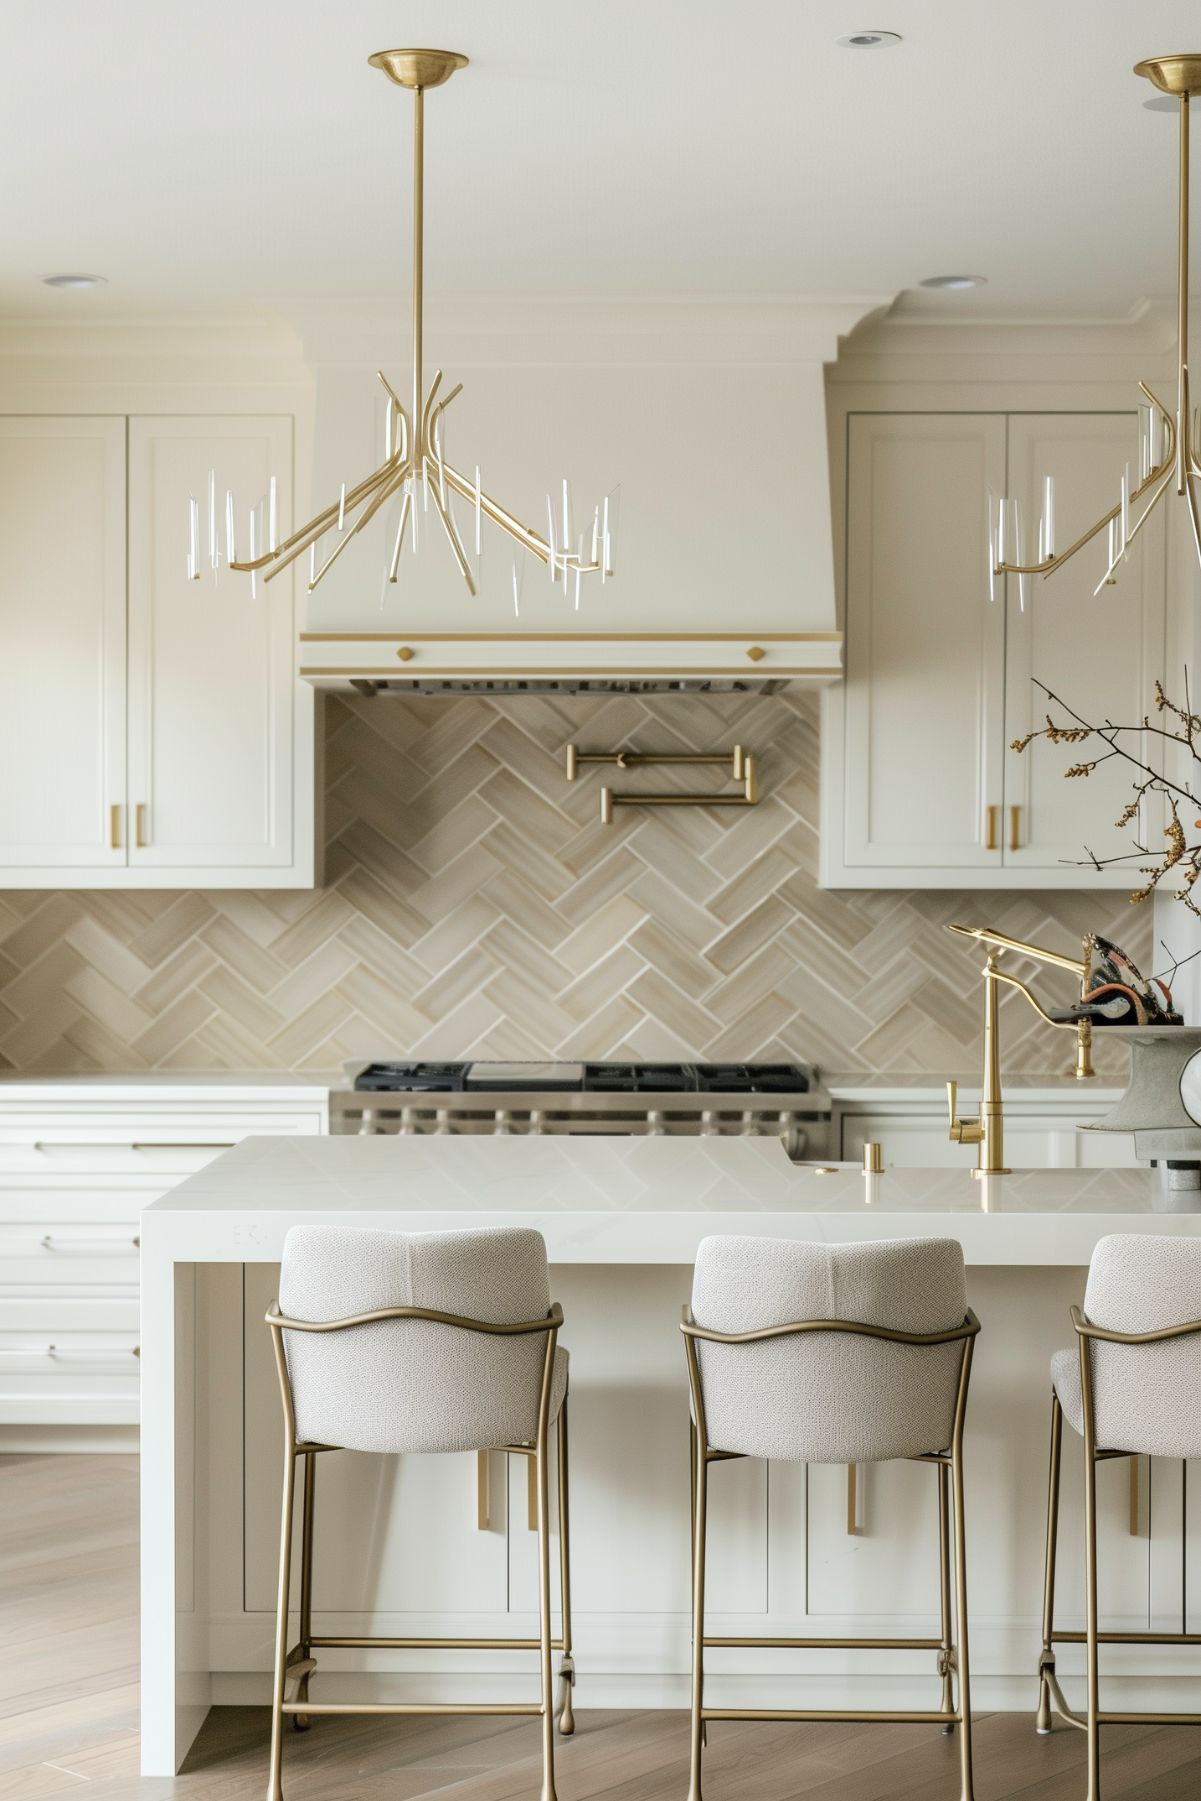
(178, 1144)
(80, 1354)
(85, 1247)
(81, 1144)
(111, 1144)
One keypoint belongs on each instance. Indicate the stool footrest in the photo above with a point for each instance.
(433, 1644)
(919, 1716)
(523, 1709)
(819, 1644)
(1128, 1638)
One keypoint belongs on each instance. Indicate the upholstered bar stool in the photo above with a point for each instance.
(833, 1354)
(415, 1342)
(1129, 1387)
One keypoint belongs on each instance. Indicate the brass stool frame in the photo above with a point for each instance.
(1050, 1695)
(949, 1464)
(298, 1664)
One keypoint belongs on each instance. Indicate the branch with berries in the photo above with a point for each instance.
(1179, 726)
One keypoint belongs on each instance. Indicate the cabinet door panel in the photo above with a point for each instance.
(1101, 653)
(62, 621)
(211, 669)
(925, 649)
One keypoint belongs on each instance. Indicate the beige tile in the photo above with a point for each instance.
(173, 1026)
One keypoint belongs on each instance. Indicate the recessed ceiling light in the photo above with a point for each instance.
(74, 281)
(870, 40)
(954, 281)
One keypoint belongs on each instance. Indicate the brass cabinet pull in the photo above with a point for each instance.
(483, 1492)
(406, 653)
(181, 1144)
(1135, 1531)
(140, 825)
(756, 653)
(114, 827)
(1015, 820)
(854, 1502)
(990, 834)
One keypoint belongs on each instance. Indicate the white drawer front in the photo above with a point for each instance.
(66, 1359)
(104, 1142)
(43, 1256)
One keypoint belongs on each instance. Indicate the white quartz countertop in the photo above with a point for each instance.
(882, 1087)
(159, 1085)
(634, 1200)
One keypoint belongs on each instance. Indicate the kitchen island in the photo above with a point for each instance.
(411, 1547)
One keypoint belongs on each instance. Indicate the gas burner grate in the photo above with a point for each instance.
(639, 1078)
(752, 1078)
(411, 1078)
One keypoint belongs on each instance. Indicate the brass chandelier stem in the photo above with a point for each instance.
(418, 266)
(1183, 422)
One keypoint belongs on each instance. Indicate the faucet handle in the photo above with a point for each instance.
(961, 1131)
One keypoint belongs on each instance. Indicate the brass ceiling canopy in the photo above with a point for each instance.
(1168, 437)
(418, 68)
(1172, 74)
(415, 474)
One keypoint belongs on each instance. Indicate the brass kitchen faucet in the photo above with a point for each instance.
(988, 1129)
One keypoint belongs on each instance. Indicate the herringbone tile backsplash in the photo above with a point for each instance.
(474, 905)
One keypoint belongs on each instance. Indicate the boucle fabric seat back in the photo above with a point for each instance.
(1146, 1398)
(829, 1397)
(416, 1385)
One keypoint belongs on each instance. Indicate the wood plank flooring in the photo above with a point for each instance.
(68, 1709)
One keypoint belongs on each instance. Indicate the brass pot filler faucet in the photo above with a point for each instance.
(988, 1130)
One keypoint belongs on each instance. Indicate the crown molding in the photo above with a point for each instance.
(575, 329)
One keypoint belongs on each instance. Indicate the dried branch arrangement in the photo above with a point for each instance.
(1179, 726)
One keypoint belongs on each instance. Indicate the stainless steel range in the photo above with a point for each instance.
(702, 1099)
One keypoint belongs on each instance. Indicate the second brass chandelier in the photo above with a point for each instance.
(415, 470)
(1168, 439)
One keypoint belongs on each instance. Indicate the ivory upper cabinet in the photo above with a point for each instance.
(212, 689)
(1101, 654)
(154, 728)
(919, 786)
(62, 625)
(912, 749)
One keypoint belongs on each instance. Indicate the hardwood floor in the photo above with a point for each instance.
(68, 1709)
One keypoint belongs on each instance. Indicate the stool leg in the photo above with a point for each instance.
(301, 1722)
(1090, 1559)
(275, 1789)
(542, 1473)
(1046, 1661)
(946, 1653)
(700, 1479)
(965, 1689)
(567, 1664)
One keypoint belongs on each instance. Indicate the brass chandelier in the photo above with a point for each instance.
(1167, 454)
(414, 470)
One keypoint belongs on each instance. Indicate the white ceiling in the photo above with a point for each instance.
(228, 156)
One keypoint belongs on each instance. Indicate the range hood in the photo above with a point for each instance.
(711, 414)
(575, 663)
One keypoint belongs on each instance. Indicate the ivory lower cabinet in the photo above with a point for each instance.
(79, 1160)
